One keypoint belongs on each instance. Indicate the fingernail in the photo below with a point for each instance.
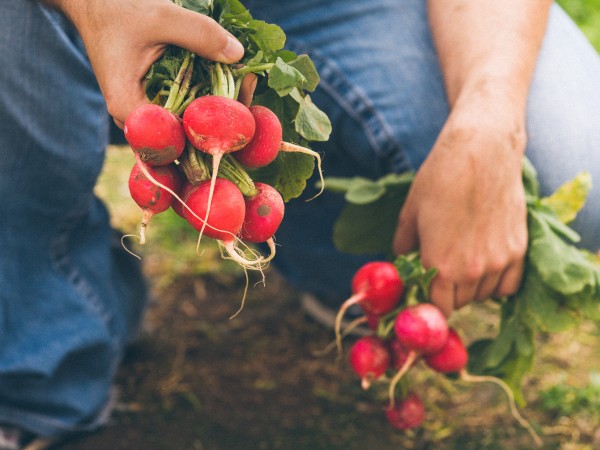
(233, 50)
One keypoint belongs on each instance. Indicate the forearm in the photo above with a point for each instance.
(488, 47)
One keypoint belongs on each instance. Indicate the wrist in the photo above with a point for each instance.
(494, 107)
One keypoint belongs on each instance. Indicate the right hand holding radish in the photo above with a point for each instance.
(123, 38)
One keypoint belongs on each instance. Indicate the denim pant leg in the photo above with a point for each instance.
(381, 85)
(563, 123)
(68, 300)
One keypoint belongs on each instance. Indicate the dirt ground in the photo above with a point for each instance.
(200, 380)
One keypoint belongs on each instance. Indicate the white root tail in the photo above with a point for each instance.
(410, 360)
(289, 147)
(466, 376)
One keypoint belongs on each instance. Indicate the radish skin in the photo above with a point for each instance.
(408, 414)
(421, 329)
(377, 287)
(369, 358)
(264, 214)
(155, 133)
(267, 143)
(151, 198)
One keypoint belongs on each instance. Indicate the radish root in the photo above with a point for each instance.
(465, 376)
(289, 147)
(412, 356)
(353, 300)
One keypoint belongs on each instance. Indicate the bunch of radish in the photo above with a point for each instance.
(406, 329)
(199, 151)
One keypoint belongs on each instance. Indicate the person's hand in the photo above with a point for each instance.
(123, 38)
(466, 209)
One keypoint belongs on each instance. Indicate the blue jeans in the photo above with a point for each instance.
(69, 298)
(69, 302)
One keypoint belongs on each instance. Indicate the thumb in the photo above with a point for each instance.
(199, 34)
(405, 236)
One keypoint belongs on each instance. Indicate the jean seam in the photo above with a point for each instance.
(356, 104)
(61, 262)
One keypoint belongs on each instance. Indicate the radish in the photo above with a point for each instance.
(184, 190)
(264, 213)
(398, 352)
(155, 133)
(453, 358)
(264, 146)
(370, 359)
(376, 287)
(217, 125)
(152, 198)
(225, 221)
(407, 414)
(267, 143)
(421, 329)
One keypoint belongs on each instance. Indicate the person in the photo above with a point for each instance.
(458, 90)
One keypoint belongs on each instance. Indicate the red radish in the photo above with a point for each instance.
(264, 213)
(399, 353)
(266, 143)
(422, 329)
(155, 133)
(217, 125)
(376, 287)
(177, 205)
(152, 198)
(370, 358)
(451, 358)
(225, 220)
(264, 146)
(407, 414)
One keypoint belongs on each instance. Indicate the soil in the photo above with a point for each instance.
(197, 379)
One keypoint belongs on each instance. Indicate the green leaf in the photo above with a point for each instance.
(516, 367)
(311, 123)
(288, 174)
(267, 36)
(369, 228)
(563, 267)
(306, 67)
(200, 6)
(545, 307)
(340, 185)
(530, 181)
(364, 191)
(569, 198)
(283, 78)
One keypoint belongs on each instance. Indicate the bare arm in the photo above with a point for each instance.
(466, 209)
(124, 37)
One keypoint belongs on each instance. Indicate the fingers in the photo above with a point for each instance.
(247, 89)
(450, 292)
(405, 237)
(199, 34)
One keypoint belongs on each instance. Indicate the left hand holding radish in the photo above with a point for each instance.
(476, 244)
